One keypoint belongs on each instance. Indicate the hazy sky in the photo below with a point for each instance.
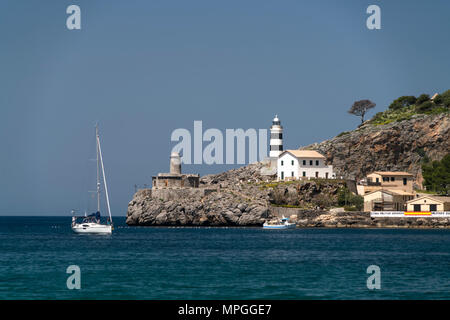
(145, 68)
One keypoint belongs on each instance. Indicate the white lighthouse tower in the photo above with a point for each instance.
(276, 138)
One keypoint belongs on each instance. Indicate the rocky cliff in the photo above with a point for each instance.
(397, 146)
(220, 208)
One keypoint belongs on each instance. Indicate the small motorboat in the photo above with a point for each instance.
(282, 223)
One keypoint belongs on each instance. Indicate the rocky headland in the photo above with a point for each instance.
(245, 197)
(221, 200)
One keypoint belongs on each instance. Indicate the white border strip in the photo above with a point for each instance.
(403, 214)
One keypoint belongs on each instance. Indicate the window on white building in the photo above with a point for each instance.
(317, 162)
(292, 162)
(310, 162)
(282, 162)
(292, 173)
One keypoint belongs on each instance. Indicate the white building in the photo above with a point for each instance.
(276, 138)
(295, 164)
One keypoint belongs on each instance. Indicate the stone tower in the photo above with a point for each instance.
(276, 138)
(174, 179)
(175, 163)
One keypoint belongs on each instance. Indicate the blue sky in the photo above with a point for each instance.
(145, 68)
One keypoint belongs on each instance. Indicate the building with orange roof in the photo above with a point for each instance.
(391, 180)
(386, 200)
(429, 203)
(387, 190)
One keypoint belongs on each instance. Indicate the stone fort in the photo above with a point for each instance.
(175, 185)
(175, 179)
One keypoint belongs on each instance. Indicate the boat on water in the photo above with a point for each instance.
(282, 223)
(92, 223)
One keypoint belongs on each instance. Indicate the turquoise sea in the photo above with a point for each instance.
(220, 263)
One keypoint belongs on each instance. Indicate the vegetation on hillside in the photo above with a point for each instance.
(436, 175)
(285, 183)
(406, 107)
(349, 200)
(312, 194)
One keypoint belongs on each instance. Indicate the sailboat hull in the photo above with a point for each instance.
(92, 228)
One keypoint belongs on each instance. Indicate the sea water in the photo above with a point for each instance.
(220, 263)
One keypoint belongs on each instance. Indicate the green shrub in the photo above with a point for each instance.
(404, 101)
(425, 106)
(446, 98)
(422, 98)
(347, 198)
(438, 99)
(437, 175)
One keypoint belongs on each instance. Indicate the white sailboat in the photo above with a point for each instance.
(91, 224)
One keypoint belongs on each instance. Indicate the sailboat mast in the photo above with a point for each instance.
(98, 170)
(104, 177)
